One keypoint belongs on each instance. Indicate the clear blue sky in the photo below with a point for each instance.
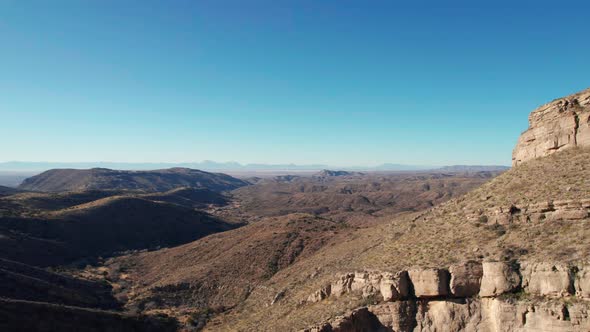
(307, 81)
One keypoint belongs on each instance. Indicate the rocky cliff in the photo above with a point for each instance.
(510, 294)
(561, 124)
(473, 296)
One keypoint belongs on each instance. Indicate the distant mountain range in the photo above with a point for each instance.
(226, 166)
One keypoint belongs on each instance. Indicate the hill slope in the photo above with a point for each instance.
(106, 179)
(102, 227)
(5, 191)
(449, 234)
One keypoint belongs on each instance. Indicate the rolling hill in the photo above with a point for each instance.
(101, 227)
(59, 180)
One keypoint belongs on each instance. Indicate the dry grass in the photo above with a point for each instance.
(438, 237)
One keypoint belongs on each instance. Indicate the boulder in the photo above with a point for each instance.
(582, 281)
(547, 279)
(466, 279)
(394, 286)
(498, 278)
(320, 294)
(366, 283)
(342, 285)
(396, 316)
(429, 282)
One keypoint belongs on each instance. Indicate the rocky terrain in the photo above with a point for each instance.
(459, 249)
(57, 180)
(69, 230)
(561, 124)
(356, 198)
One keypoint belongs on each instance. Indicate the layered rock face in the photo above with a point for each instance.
(472, 296)
(561, 124)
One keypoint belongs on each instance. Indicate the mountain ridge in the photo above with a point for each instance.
(56, 180)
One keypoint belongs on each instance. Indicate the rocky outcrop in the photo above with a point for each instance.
(498, 278)
(471, 296)
(429, 282)
(572, 210)
(320, 294)
(466, 279)
(394, 286)
(561, 124)
(484, 315)
(547, 279)
(385, 285)
(582, 281)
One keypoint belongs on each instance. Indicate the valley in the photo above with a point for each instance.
(455, 249)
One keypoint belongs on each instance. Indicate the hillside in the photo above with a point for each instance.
(218, 272)
(445, 235)
(189, 197)
(5, 191)
(31, 316)
(24, 282)
(58, 180)
(362, 197)
(101, 227)
(517, 244)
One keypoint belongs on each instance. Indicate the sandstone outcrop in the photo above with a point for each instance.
(547, 279)
(482, 315)
(488, 296)
(429, 282)
(498, 278)
(582, 281)
(342, 285)
(394, 286)
(386, 285)
(466, 279)
(572, 210)
(320, 294)
(561, 124)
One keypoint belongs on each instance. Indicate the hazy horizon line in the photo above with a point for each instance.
(18, 165)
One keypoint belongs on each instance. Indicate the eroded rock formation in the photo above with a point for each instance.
(561, 124)
(542, 211)
(472, 296)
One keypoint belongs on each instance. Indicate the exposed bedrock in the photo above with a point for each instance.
(548, 211)
(561, 124)
(472, 296)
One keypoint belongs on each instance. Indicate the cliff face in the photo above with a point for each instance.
(514, 293)
(474, 296)
(561, 124)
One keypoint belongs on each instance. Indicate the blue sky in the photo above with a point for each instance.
(333, 82)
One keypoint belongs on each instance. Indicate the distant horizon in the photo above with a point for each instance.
(25, 166)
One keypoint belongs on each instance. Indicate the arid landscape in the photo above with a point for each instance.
(294, 166)
(451, 249)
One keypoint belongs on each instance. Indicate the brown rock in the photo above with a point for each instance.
(547, 279)
(561, 124)
(574, 214)
(429, 282)
(466, 279)
(342, 285)
(498, 278)
(366, 283)
(582, 281)
(320, 294)
(394, 286)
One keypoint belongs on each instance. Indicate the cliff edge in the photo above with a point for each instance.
(561, 124)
